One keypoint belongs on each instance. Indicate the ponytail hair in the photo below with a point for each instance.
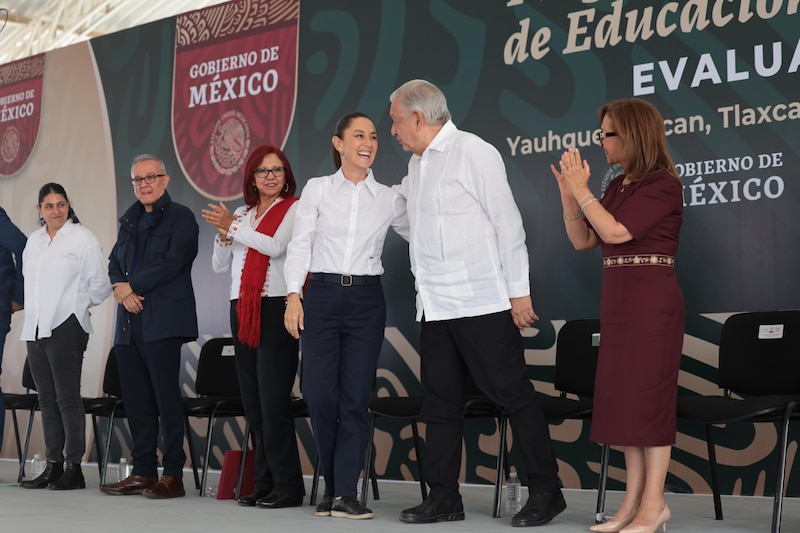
(55, 188)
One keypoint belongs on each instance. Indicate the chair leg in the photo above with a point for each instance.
(418, 450)
(238, 493)
(605, 454)
(368, 470)
(97, 447)
(24, 454)
(315, 482)
(712, 460)
(502, 425)
(192, 454)
(16, 436)
(107, 447)
(207, 454)
(784, 442)
(375, 494)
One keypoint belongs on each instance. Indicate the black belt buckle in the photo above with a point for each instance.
(346, 280)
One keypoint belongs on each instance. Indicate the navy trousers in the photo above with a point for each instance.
(344, 328)
(266, 377)
(490, 348)
(149, 376)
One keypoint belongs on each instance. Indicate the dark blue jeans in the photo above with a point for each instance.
(344, 328)
(56, 369)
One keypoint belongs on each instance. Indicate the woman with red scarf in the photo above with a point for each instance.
(252, 244)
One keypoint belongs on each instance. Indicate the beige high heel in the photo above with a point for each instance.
(613, 526)
(660, 522)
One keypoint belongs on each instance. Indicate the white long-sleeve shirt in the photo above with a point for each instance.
(63, 276)
(467, 245)
(340, 227)
(242, 237)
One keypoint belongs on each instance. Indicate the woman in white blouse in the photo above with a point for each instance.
(252, 243)
(65, 273)
(339, 231)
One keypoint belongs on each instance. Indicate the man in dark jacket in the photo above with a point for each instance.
(150, 270)
(12, 242)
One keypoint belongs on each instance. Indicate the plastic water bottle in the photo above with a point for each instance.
(513, 494)
(37, 465)
(358, 488)
(124, 469)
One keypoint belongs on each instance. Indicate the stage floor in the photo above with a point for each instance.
(90, 510)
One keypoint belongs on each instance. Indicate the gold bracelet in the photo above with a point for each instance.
(583, 207)
(571, 218)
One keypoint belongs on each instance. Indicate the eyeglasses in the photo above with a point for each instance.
(263, 172)
(147, 178)
(601, 135)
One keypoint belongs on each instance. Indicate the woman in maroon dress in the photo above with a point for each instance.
(636, 224)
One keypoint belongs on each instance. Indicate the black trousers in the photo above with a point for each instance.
(266, 377)
(344, 328)
(149, 376)
(56, 363)
(490, 348)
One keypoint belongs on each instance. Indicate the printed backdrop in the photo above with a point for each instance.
(528, 76)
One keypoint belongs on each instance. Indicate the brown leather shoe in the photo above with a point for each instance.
(167, 487)
(132, 484)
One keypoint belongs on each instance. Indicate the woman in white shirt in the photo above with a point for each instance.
(252, 245)
(339, 231)
(65, 273)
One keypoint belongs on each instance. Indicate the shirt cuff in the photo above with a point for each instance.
(219, 242)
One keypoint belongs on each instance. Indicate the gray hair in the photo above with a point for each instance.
(149, 157)
(425, 97)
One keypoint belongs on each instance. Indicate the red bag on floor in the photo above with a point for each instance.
(230, 473)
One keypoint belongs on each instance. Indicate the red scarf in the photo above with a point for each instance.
(254, 273)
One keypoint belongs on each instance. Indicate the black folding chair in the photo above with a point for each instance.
(27, 401)
(759, 365)
(577, 347)
(218, 396)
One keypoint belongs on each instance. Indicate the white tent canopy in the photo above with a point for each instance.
(29, 27)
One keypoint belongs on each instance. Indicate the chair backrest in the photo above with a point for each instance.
(216, 369)
(111, 385)
(27, 377)
(576, 357)
(759, 353)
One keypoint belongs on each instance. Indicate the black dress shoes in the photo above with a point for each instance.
(51, 473)
(278, 499)
(250, 501)
(72, 478)
(540, 509)
(434, 510)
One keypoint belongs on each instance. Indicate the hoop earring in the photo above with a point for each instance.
(285, 187)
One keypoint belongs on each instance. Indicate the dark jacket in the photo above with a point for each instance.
(164, 277)
(12, 242)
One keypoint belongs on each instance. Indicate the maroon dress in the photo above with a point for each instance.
(641, 317)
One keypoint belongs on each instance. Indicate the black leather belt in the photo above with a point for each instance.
(345, 280)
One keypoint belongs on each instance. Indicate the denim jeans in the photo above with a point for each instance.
(56, 368)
